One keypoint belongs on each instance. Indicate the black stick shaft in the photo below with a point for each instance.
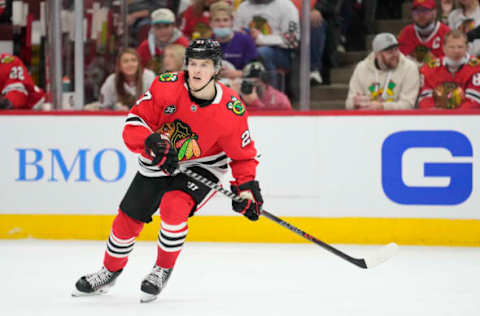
(215, 186)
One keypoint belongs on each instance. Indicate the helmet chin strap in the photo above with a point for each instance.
(197, 90)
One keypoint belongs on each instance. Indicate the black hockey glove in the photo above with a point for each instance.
(251, 206)
(5, 103)
(158, 147)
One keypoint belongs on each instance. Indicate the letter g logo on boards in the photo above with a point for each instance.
(458, 174)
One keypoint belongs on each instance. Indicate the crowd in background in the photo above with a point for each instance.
(260, 41)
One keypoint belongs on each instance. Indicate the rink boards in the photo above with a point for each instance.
(371, 178)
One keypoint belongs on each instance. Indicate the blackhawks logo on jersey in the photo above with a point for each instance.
(236, 106)
(448, 95)
(474, 62)
(168, 77)
(433, 63)
(182, 139)
(7, 59)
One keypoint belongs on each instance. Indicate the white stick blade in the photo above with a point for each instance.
(385, 253)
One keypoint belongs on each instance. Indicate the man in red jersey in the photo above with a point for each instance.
(17, 88)
(423, 40)
(185, 119)
(162, 33)
(452, 82)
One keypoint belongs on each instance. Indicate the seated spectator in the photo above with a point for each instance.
(422, 41)
(257, 91)
(385, 79)
(127, 84)
(17, 88)
(318, 35)
(452, 82)
(196, 19)
(238, 47)
(138, 19)
(162, 33)
(466, 18)
(173, 58)
(274, 25)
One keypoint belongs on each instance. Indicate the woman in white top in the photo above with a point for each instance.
(122, 88)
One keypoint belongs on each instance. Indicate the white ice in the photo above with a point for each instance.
(37, 277)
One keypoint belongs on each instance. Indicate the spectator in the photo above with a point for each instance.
(274, 25)
(452, 82)
(173, 58)
(238, 47)
(423, 40)
(196, 19)
(318, 35)
(465, 18)
(138, 18)
(17, 88)
(162, 33)
(257, 91)
(385, 79)
(330, 10)
(127, 84)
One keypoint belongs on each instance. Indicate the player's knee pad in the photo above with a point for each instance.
(125, 226)
(176, 207)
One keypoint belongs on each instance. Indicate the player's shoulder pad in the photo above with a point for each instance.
(169, 77)
(434, 63)
(474, 62)
(6, 58)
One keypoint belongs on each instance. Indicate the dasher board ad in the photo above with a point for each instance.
(412, 166)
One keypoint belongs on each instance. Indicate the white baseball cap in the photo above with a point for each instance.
(163, 16)
(384, 41)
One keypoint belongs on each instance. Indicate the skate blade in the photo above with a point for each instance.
(147, 298)
(77, 293)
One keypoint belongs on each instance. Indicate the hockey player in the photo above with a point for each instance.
(17, 88)
(452, 82)
(185, 119)
(422, 41)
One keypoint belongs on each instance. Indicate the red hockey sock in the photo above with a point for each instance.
(121, 241)
(174, 210)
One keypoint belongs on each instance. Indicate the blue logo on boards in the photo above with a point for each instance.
(33, 164)
(459, 173)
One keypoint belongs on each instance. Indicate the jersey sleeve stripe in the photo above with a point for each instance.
(136, 120)
(18, 86)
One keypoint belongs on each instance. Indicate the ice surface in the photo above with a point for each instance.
(37, 278)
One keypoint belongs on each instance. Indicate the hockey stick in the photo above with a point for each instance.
(382, 255)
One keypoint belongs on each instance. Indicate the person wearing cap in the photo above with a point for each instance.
(452, 82)
(422, 40)
(162, 33)
(385, 79)
(238, 47)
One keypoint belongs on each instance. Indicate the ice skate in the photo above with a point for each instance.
(96, 283)
(153, 283)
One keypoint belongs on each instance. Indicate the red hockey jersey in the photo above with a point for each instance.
(205, 136)
(411, 44)
(441, 89)
(16, 84)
